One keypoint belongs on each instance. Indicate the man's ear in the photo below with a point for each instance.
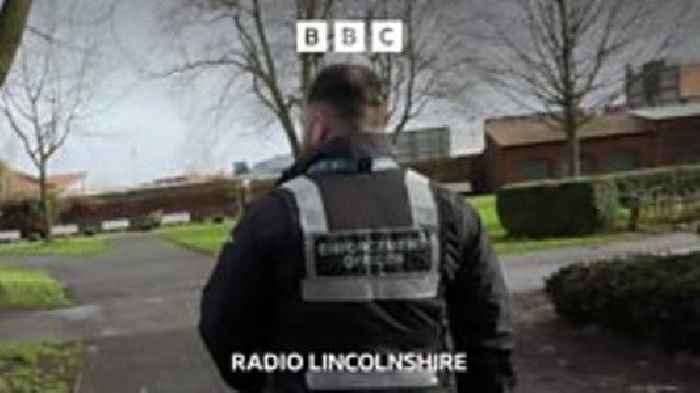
(322, 125)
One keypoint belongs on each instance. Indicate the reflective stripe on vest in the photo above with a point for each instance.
(370, 380)
(386, 286)
(312, 215)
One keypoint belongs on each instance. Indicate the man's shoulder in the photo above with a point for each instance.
(456, 210)
(453, 200)
(268, 214)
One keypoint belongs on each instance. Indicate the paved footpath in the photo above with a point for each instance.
(526, 272)
(137, 308)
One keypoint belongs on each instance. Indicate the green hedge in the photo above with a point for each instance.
(676, 180)
(558, 208)
(648, 297)
(663, 195)
(25, 214)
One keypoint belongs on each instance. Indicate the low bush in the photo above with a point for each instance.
(669, 180)
(663, 195)
(649, 297)
(147, 222)
(218, 219)
(25, 215)
(558, 208)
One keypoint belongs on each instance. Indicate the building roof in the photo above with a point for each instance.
(65, 180)
(25, 184)
(534, 129)
(668, 111)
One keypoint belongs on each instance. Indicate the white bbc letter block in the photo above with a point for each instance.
(349, 36)
(312, 36)
(387, 36)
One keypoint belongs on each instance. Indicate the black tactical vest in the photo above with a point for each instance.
(367, 278)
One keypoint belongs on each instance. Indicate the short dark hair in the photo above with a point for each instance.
(350, 89)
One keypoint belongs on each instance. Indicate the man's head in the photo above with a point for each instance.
(344, 99)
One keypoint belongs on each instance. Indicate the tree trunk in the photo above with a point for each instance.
(290, 132)
(44, 201)
(574, 156)
(13, 18)
(572, 140)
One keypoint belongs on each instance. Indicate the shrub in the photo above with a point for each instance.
(25, 215)
(650, 297)
(669, 180)
(666, 195)
(22, 215)
(558, 208)
(90, 229)
(148, 222)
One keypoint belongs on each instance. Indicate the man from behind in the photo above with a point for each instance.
(353, 254)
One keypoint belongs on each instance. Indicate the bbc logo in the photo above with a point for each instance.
(349, 36)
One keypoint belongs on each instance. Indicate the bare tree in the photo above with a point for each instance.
(13, 17)
(47, 95)
(568, 57)
(263, 53)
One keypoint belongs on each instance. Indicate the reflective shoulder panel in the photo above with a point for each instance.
(421, 200)
(312, 213)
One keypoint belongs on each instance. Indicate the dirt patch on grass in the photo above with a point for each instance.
(553, 356)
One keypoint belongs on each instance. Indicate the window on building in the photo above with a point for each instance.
(535, 169)
(622, 160)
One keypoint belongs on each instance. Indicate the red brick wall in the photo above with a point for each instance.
(504, 165)
(201, 200)
(678, 141)
(450, 170)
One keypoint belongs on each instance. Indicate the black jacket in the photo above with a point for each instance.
(237, 301)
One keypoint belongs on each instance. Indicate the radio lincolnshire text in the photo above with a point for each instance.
(350, 362)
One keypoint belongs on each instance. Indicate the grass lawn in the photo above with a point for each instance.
(73, 246)
(486, 205)
(42, 367)
(208, 237)
(22, 288)
(205, 238)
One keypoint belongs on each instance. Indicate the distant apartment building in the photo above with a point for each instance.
(271, 167)
(414, 145)
(423, 144)
(663, 82)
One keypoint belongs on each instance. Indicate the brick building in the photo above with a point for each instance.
(522, 148)
(15, 184)
(659, 126)
(423, 144)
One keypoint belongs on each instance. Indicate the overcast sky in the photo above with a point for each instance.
(149, 126)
